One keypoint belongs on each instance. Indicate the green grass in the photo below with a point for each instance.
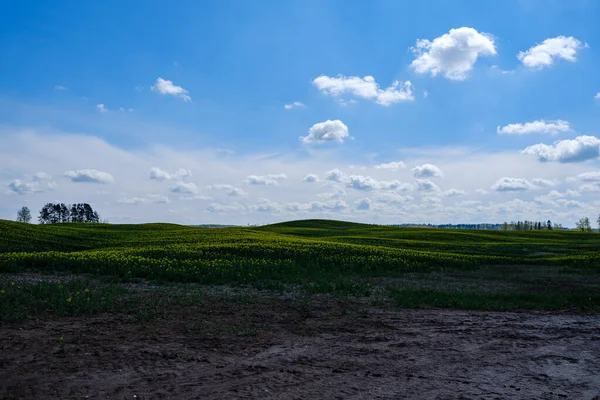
(321, 256)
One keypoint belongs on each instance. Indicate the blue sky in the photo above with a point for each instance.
(495, 99)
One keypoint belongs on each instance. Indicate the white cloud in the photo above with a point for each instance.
(427, 171)
(22, 187)
(359, 182)
(392, 166)
(59, 87)
(222, 208)
(268, 206)
(295, 104)
(158, 174)
(183, 187)
(89, 176)
(541, 182)
(570, 203)
(545, 53)
(481, 191)
(541, 126)
(269, 180)
(365, 88)
(328, 131)
(597, 96)
(101, 108)
(335, 175)
(593, 176)
(332, 205)
(581, 148)
(230, 190)
(424, 185)
(454, 192)
(147, 199)
(507, 184)
(167, 87)
(310, 178)
(199, 197)
(452, 54)
(364, 204)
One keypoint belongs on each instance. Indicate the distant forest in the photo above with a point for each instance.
(506, 226)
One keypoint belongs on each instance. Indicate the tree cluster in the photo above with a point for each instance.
(55, 213)
(530, 226)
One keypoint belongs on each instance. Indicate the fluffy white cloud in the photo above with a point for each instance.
(452, 54)
(541, 182)
(158, 174)
(427, 171)
(359, 182)
(365, 88)
(335, 175)
(295, 104)
(570, 203)
(268, 180)
(267, 206)
(507, 184)
(593, 176)
(545, 53)
(230, 190)
(328, 131)
(59, 87)
(597, 96)
(148, 199)
(364, 204)
(167, 87)
(424, 185)
(101, 108)
(28, 187)
(310, 178)
(89, 175)
(392, 166)
(454, 192)
(183, 187)
(540, 126)
(581, 148)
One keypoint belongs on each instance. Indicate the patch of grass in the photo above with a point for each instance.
(418, 298)
(18, 301)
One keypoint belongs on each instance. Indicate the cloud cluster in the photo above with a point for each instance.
(89, 176)
(540, 126)
(545, 53)
(366, 88)
(230, 190)
(508, 184)
(295, 104)
(158, 174)
(581, 148)
(167, 87)
(427, 171)
(452, 54)
(39, 183)
(391, 166)
(365, 183)
(269, 180)
(328, 131)
(147, 199)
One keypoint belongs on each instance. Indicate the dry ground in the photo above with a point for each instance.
(322, 348)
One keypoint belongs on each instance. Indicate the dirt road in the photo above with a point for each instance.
(284, 351)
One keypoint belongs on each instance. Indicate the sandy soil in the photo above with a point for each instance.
(323, 350)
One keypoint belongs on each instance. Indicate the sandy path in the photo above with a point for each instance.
(412, 354)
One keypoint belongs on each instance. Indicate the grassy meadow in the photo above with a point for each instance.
(406, 267)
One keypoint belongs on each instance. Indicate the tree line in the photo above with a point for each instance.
(530, 226)
(56, 213)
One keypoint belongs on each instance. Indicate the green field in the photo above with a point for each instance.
(424, 267)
